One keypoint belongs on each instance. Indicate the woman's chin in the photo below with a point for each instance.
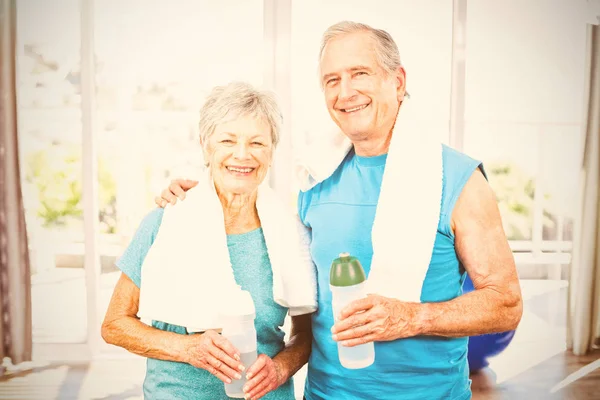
(240, 188)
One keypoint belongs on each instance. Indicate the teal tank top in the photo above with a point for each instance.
(252, 270)
(340, 212)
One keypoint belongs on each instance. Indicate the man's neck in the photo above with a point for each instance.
(372, 148)
(377, 143)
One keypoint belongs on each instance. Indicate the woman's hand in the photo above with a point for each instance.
(214, 353)
(263, 376)
(176, 190)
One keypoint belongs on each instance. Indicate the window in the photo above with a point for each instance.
(154, 64)
(49, 123)
(530, 141)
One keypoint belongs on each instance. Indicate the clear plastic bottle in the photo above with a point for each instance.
(238, 327)
(347, 281)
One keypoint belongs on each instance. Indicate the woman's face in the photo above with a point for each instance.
(240, 153)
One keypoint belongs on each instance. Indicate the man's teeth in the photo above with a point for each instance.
(243, 170)
(355, 108)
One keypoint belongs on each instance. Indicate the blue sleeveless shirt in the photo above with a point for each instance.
(340, 212)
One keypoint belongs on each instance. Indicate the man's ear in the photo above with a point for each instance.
(401, 83)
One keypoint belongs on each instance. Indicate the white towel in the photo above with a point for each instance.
(187, 275)
(408, 210)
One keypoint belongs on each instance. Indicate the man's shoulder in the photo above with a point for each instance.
(454, 159)
(333, 180)
(333, 187)
(458, 165)
(458, 169)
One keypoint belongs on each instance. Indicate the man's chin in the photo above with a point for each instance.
(354, 132)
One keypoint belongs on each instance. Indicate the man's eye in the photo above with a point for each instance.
(331, 81)
(360, 73)
(257, 143)
(227, 141)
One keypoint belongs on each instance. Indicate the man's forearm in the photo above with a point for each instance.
(135, 336)
(295, 354)
(479, 312)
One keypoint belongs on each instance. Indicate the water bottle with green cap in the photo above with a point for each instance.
(347, 281)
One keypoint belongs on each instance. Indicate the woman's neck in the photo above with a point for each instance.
(240, 212)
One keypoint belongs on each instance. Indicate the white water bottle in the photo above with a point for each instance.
(347, 281)
(238, 327)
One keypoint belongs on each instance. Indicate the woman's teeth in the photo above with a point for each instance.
(242, 170)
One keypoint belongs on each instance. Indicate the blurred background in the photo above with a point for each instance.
(107, 100)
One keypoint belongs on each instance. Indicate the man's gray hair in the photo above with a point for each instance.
(239, 99)
(386, 50)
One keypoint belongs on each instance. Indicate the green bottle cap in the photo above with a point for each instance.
(346, 271)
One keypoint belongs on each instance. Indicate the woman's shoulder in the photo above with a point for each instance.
(149, 225)
(153, 219)
(148, 229)
(130, 262)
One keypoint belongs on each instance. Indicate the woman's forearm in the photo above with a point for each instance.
(133, 335)
(297, 349)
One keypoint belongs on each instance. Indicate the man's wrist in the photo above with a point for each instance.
(422, 318)
(281, 371)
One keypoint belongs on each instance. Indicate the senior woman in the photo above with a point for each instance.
(239, 129)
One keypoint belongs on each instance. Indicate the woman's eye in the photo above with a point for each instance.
(257, 143)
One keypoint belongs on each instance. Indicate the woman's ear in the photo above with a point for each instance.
(203, 144)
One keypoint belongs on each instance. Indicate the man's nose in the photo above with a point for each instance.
(347, 90)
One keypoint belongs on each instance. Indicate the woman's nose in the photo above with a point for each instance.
(241, 151)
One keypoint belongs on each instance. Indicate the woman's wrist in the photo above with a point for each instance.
(182, 346)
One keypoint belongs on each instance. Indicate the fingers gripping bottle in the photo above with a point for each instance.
(238, 328)
(347, 281)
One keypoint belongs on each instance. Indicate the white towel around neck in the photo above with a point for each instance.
(408, 210)
(187, 274)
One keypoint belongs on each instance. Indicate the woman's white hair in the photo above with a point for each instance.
(386, 50)
(235, 100)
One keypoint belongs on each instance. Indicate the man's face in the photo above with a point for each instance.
(361, 98)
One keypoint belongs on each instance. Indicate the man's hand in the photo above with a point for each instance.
(263, 376)
(176, 190)
(375, 319)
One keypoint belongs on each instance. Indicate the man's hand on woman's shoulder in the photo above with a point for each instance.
(176, 190)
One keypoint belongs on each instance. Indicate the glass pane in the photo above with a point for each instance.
(156, 62)
(49, 122)
(510, 156)
(520, 68)
(518, 103)
(562, 157)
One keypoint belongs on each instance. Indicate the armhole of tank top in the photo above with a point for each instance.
(456, 190)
